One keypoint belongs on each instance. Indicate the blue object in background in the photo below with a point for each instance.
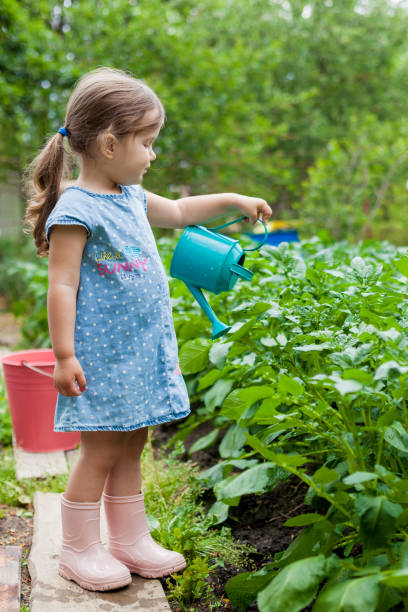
(275, 238)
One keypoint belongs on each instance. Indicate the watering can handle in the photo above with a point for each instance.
(240, 219)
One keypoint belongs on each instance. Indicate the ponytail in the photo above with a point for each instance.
(42, 187)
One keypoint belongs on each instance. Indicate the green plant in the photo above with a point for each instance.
(29, 283)
(190, 585)
(311, 381)
(178, 520)
(20, 493)
(357, 184)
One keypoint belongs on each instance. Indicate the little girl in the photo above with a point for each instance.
(110, 316)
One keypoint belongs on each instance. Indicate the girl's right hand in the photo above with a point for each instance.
(66, 372)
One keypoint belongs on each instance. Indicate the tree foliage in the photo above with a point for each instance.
(256, 93)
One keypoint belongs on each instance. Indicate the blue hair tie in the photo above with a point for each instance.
(63, 131)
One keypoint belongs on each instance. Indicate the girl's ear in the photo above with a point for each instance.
(107, 143)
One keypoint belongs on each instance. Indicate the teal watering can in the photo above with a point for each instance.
(206, 259)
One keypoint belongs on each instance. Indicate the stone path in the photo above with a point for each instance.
(51, 592)
(10, 578)
(38, 465)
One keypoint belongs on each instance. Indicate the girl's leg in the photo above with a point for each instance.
(83, 558)
(129, 537)
(100, 450)
(124, 478)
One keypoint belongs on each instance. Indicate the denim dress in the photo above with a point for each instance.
(124, 334)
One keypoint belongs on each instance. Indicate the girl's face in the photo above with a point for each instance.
(134, 154)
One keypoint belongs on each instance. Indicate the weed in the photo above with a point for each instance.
(15, 492)
(190, 585)
(179, 521)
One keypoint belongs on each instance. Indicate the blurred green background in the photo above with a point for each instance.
(301, 103)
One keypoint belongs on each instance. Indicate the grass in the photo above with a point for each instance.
(179, 521)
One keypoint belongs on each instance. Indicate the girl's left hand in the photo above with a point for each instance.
(254, 208)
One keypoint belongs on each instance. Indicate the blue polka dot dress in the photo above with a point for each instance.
(124, 333)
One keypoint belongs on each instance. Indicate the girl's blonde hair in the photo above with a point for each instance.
(105, 99)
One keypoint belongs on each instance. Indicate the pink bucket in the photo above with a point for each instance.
(32, 399)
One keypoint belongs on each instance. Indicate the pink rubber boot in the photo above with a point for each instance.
(83, 557)
(130, 540)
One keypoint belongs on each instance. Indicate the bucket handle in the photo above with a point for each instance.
(240, 219)
(27, 365)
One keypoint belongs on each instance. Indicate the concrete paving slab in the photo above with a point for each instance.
(50, 592)
(10, 578)
(37, 465)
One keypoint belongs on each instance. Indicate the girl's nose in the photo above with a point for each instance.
(152, 155)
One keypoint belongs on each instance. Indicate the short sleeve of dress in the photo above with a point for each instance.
(71, 209)
(140, 193)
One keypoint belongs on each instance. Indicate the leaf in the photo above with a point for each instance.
(359, 477)
(347, 386)
(279, 458)
(217, 472)
(324, 476)
(193, 355)
(282, 339)
(266, 413)
(203, 442)
(319, 537)
(240, 399)
(390, 366)
(240, 329)
(218, 392)
(397, 437)
(402, 265)
(359, 375)
(209, 379)
(218, 353)
(307, 348)
(255, 480)
(304, 519)
(290, 385)
(397, 579)
(294, 587)
(218, 512)
(243, 588)
(268, 341)
(377, 516)
(232, 443)
(354, 595)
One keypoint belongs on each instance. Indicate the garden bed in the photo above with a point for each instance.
(257, 521)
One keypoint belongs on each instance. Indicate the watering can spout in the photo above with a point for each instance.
(218, 328)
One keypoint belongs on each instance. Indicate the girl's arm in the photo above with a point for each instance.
(163, 212)
(67, 243)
